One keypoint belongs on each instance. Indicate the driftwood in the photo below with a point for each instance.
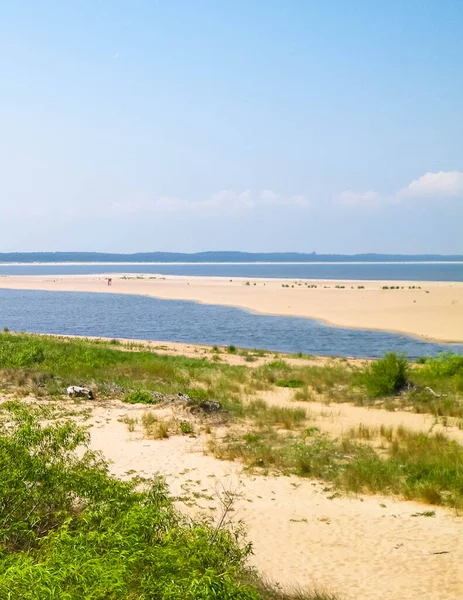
(411, 387)
(431, 391)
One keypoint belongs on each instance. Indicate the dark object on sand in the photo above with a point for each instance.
(210, 406)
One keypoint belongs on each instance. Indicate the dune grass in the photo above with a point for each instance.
(46, 365)
(414, 465)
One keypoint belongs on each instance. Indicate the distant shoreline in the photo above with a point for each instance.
(224, 257)
(180, 263)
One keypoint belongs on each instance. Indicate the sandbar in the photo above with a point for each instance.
(430, 310)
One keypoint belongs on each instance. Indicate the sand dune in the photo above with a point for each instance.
(368, 547)
(433, 311)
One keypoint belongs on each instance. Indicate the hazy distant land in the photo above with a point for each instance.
(216, 257)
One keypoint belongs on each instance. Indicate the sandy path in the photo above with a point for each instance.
(369, 547)
(435, 311)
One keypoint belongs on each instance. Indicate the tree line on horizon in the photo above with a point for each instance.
(215, 256)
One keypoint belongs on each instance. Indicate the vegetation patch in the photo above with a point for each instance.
(387, 376)
(45, 366)
(413, 465)
(290, 383)
(139, 397)
(70, 530)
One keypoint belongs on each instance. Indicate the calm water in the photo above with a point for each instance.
(362, 271)
(138, 317)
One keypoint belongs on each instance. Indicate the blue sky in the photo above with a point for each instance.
(186, 125)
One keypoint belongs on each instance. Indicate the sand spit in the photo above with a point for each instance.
(431, 310)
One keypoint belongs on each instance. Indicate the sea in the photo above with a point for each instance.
(138, 317)
(394, 271)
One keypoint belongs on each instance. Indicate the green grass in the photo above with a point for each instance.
(70, 530)
(44, 366)
(51, 364)
(261, 414)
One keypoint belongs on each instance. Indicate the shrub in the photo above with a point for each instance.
(139, 397)
(40, 477)
(290, 383)
(445, 365)
(186, 427)
(70, 530)
(386, 376)
(231, 349)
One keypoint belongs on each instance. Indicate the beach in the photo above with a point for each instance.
(430, 310)
(307, 532)
(303, 532)
(367, 546)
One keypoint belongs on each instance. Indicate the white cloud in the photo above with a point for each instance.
(349, 198)
(443, 183)
(269, 197)
(224, 201)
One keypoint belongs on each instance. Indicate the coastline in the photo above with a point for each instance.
(256, 262)
(432, 311)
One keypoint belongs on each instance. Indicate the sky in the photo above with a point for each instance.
(332, 126)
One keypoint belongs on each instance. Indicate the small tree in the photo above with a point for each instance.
(386, 376)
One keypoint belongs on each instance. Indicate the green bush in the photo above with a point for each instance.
(290, 383)
(445, 365)
(186, 427)
(139, 397)
(387, 376)
(68, 529)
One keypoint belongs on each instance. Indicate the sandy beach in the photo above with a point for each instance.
(304, 535)
(431, 310)
(369, 547)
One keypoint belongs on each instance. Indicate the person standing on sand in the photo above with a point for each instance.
(109, 281)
